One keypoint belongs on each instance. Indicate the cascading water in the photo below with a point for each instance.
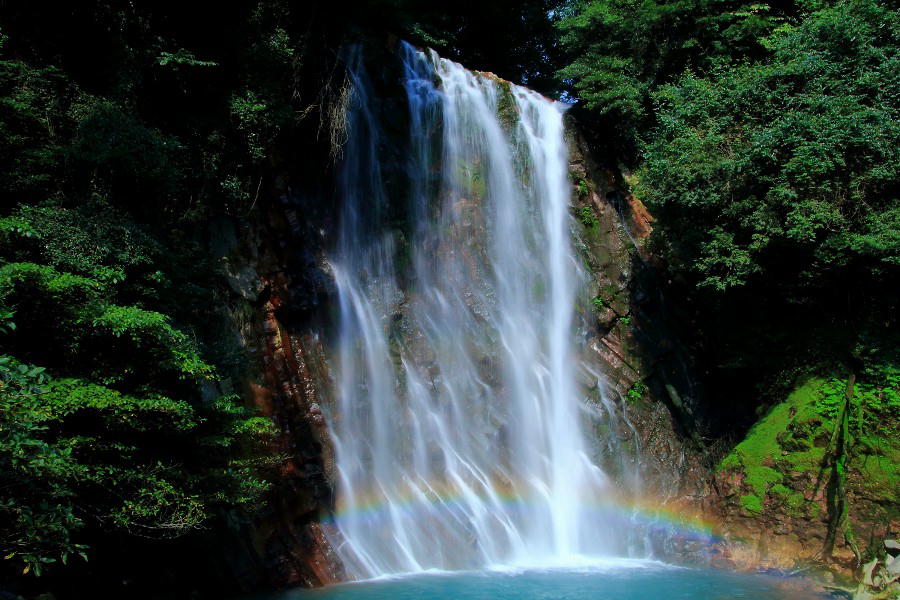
(459, 427)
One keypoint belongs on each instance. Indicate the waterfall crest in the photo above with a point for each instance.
(458, 426)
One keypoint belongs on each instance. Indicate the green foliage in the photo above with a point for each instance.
(74, 453)
(12, 226)
(636, 391)
(182, 57)
(67, 291)
(251, 116)
(765, 141)
(623, 50)
(30, 117)
(583, 189)
(588, 218)
(797, 154)
(7, 325)
(103, 283)
(172, 490)
(36, 515)
(92, 240)
(120, 147)
(65, 397)
(176, 351)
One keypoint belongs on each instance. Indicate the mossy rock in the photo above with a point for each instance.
(761, 478)
(782, 459)
(881, 475)
(762, 446)
(761, 458)
(751, 504)
(791, 501)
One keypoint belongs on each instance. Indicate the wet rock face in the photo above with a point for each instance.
(294, 378)
(279, 308)
(282, 305)
(630, 333)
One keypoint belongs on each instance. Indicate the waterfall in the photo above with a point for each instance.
(459, 427)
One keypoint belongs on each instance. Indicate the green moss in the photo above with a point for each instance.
(471, 179)
(882, 476)
(583, 188)
(506, 103)
(807, 461)
(793, 439)
(759, 478)
(759, 456)
(636, 391)
(814, 510)
(780, 491)
(791, 501)
(762, 443)
(732, 461)
(751, 504)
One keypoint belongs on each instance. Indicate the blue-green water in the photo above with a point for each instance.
(643, 581)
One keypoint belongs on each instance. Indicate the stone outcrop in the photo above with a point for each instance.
(274, 266)
(281, 305)
(631, 331)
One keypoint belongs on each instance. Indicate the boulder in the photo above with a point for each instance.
(893, 566)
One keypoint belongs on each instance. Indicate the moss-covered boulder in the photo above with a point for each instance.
(776, 487)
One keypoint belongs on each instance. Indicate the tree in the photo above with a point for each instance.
(620, 51)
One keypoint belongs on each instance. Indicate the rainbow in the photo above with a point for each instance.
(652, 516)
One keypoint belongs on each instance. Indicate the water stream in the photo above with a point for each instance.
(460, 430)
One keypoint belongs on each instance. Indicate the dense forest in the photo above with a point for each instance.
(763, 138)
